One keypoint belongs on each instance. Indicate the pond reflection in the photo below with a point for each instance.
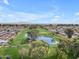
(49, 40)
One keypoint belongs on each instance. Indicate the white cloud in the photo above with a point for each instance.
(52, 16)
(6, 2)
(22, 17)
(77, 14)
(74, 19)
(57, 19)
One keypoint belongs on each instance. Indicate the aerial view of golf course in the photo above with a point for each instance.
(39, 29)
(26, 41)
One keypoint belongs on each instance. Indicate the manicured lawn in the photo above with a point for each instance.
(12, 52)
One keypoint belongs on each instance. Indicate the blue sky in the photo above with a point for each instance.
(39, 11)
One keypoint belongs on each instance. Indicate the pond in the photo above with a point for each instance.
(49, 40)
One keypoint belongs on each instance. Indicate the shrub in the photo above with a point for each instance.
(38, 50)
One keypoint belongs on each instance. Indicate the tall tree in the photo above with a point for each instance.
(69, 32)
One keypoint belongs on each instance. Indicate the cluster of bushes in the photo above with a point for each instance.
(38, 50)
(68, 49)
